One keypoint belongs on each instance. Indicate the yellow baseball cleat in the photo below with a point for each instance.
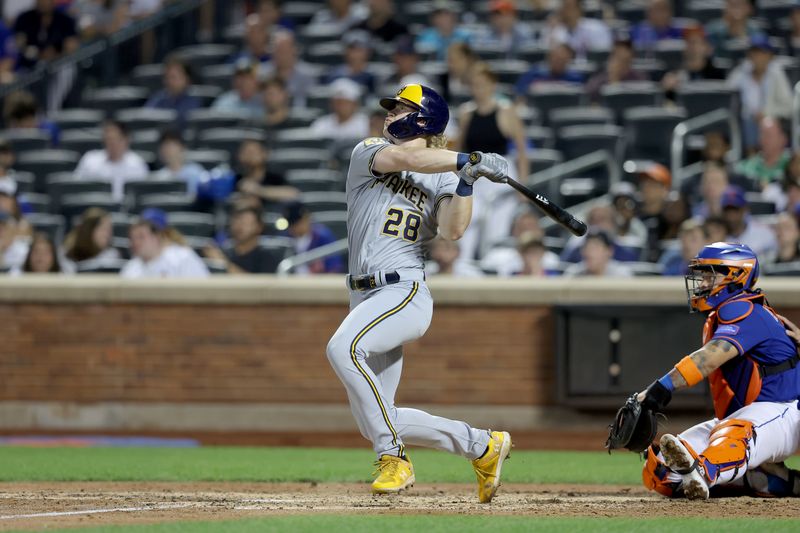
(394, 475)
(488, 466)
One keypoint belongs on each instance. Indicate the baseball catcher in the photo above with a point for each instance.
(750, 360)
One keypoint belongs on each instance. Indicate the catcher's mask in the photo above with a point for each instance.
(718, 273)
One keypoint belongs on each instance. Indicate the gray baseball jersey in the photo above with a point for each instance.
(390, 220)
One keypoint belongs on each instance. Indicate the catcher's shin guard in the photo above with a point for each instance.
(728, 451)
(655, 472)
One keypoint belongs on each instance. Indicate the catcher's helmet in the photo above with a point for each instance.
(736, 262)
(430, 117)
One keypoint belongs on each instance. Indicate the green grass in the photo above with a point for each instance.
(300, 464)
(296, 464)
(440, 524)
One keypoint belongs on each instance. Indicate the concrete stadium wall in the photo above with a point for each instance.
(248, 354)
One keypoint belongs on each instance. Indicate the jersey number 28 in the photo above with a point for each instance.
(396, 218)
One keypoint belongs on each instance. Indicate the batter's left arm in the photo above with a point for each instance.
(454, 216)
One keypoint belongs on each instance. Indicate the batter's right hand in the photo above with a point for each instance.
(486, 165)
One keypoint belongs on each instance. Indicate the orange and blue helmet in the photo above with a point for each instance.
(736, 263)
(429, 118)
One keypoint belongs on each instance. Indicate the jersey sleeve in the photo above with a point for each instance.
(445, 189)
(740, 325)
(362, 158)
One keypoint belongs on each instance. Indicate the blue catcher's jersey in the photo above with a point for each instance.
(760, 338)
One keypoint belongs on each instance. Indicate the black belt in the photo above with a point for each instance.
(365, 283)
(771, 370)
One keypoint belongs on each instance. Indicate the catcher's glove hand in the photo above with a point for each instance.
(634, 427)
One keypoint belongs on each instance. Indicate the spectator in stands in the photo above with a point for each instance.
(489, 124)
(597, 254)
(346, 121)
(556, 69)
(619, 68)
(445, 260)
(764, 89)
(696, 62)
(21, 111)
(243, 254)
(568, 25)
(271, 16)
(298, 75)
(736, 23)
(8, 54)
(245, 96)
(7, 181)
(338, 17)
(629, 230)
(306, 236)
(44, 34)
(357, 52)
(505, 259)
(505, 31)
(600, 216)
(455, 80)
(13, 246)
(160, 251)
(716, 147)
(769, 163)
(172, 152)
(676, 211)
(99, 18)
(794, 35)
(654, 185)
(406, 65)
(256, 48)
(276, 104)
(42, 257)
(716, 229)
(115, 163)
(377, 116)
(443, 31)
(175, 94)
(788, 237)
(693, 238)
(91, 239)
(533, 252)
(742, 227)
(659, 26)
(382, 21)
(713, 184)
(255, 177)
(791, 183)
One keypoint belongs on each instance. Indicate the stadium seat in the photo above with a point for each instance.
(203, 55)
(336, 221)
(575, 141)
(142, 118)
(60, 185)
(169, 202)
(759, 205)
(699, 97)
(298, 158)
(209, 119)
(325, 201)
(670, 52)
(574, 116)
(205, 93)
(70, 119)
(193, 224)
(783, 269)
(704, 11)
(315, 180)
(81, 140)
(73, 205)
(100, 266)
(208, 159)
(145, 140)
(112, 99)
(648, 132)
(623, 96)
(540, 137)
(134, 190)
(326, 53)
(148, 76)
(52, 225)
(490, 51)
(26, 182)
(298, 138)
(280, 246)
(120, 222)
(532, 54)
(631, 12)
(218, 75)
(300, 12)
(302, 117)
(148, 156)
(542, 159)
(215, 266)
(227, 139)
(22, 140)
(546, 96)
(44, 162)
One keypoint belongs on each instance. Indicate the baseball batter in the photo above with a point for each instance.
(401, 190)
(751, 364)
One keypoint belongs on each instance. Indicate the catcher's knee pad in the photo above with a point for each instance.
(655, 472)
(728, 448)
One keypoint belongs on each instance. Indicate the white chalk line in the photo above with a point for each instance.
(155, 507)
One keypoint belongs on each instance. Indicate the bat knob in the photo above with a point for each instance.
(475, 158)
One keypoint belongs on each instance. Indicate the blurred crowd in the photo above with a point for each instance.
(316, 76)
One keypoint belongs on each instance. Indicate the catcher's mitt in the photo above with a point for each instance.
(634, 427)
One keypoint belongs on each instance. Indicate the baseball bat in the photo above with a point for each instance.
(554, 211)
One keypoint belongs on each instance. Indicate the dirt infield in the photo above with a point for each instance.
(34, 506)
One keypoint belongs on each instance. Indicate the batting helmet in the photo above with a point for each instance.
(738, 265)
(429, 118)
